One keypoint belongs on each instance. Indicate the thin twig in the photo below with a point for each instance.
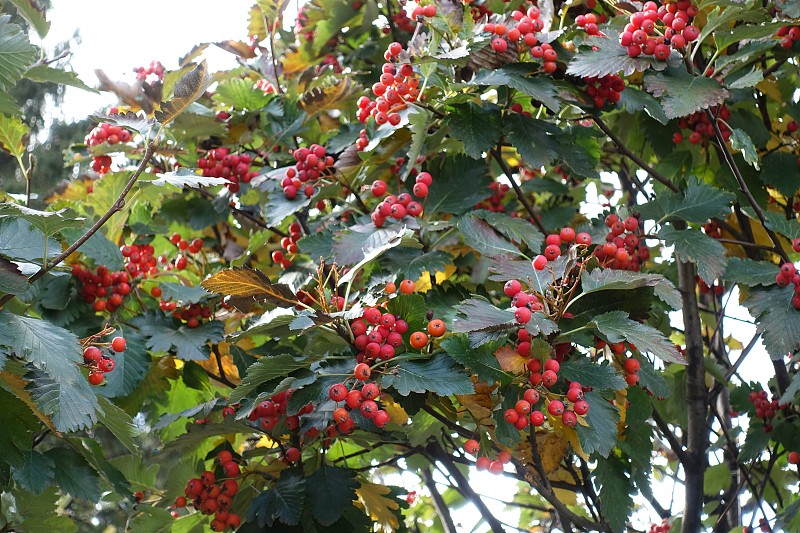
(624, 150)
(520, 195)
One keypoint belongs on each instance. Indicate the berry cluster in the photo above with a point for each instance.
(483, 462)
(589, 22)
(639, 38)
(98, 363)
(265, 86)
(288, 245)
(789, 274)
(789, 35)
(310, 165)
(140, 260)
(220, 163)
(101, 164)
(269, 413)
(717, 288)
(700, 126)
(107, 133)
(523, 303)
(397, 86)
(403, 204)
(553, 242)
(214, 498)
(547, 375)
(377, 336)
(523, 34)
(765, 408)
(623, 250)
(192, 315)
(495, 202)
(154, 71)
(103, 290)
(631, 367)
(664, 527)
(605, 89)
(363, 400)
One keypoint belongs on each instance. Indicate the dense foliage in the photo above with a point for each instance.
(399, 245)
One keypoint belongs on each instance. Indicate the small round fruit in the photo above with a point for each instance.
(511, 416)
(338, 392)
(472, 447)
(362, 371)
(231, 469)
(567, 234)
(537, 418)
(512, 287)
(390, 288)
(418, 339)
(224, 457)
(531, 396)
(482, 463)
(581, 407)
(555, 408)
(106, 364)
(420, 190)
(407, 286)
(569, 419)
(292, 454)
(540, 262)
(119, 344)
(378, 188)
(522, 315)
(95, 378)
(631, 366)
(496, 467)
(793, 458)
(436, 328)
(92, 354)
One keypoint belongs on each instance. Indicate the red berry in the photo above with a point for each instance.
(96, 377)
(540, 262)
(581, 407)
(499, 45)
(512, 287)
(555, 408)
(472, 447)
(793, 458)
(119, 344)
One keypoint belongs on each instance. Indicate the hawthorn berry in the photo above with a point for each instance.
(118, 344)
(471, 447)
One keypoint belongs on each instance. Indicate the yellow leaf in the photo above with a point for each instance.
(622, 404)
(566, 496)
(13, 135)
(510, 360)
(423, 284)
(572, 437)
(187, 90)
(379, 508)
(552, 449)
(478, 405)
(249, 283)
(397, 415)
(228, 366)
(17, 386)
(294, 62)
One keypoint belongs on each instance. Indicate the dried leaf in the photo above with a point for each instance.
(187, 90)
(510, 360)
(250, 284)
(328, 97)
(380, 509)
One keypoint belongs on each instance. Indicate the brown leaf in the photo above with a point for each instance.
(237, 48)
(17, 386)
(250, 284)
(329, 97)
(187, 90)
(510, 360)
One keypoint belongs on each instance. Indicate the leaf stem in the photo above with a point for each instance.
(520, 195)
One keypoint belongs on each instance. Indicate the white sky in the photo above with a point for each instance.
(119, 36)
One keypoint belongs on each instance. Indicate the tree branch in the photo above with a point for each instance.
(696, 399)
(624, 150)
(117, 206)
(438, 503)
(520, 195)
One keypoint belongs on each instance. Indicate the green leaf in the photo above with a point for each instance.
(12, 281)
(791, 390)
(755, 442)
(601, 434)
(634, 100)
(727, 35)
(601, 279)
(695, 246)
(480, 360)
(120, 424)
(284, 502)
(699, 203)
(638, 436)
(615, 326)
(73, 474)
(150, 519)
(652, 380)
(615, 492)
(477, 126)
(682, 94)
(278, 207)
(241, 94)
(595, 375)
(48, 74)
(64, 392)
(48, 222)
(482, 315)
(606, 57)
(33, 12)
(411, 263)
(184, 178)
(481, 237)
(98, 248)
(183, 294)
(13, 133)
(188, 89)
(518, 76)
(419, 122)
(16, 53)
(781, 172)
(460, 184)
(411, 308)
(777, 320)
(8, 106)
(266, 369)
(534, 139)
(329, 491)
(36, 472)
(189, 344)
(439, 375)
(516, 229)
(19, 424)
(131, 367)
(742, 142)
(749, 272)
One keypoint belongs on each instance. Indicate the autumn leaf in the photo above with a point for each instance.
(328, 97)
(187, 90)
(379, 508)
(510, 360)
(250, 284)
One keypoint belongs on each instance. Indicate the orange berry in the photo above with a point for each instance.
(418, 339)
(436, 328)
(391, 288)
(406, 286)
